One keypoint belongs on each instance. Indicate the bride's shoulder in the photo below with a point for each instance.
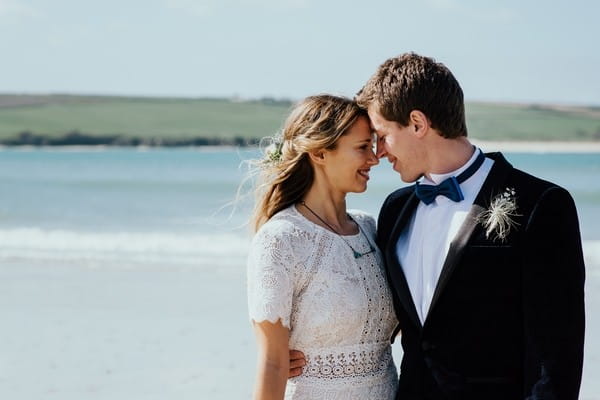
(361, 215)
(285, 235)
(286, 223)
(363, 218)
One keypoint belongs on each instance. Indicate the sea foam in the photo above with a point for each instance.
(38, 244)
(195, 249)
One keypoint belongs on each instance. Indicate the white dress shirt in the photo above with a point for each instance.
(422, 248)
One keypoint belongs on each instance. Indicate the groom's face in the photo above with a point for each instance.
(398, 144)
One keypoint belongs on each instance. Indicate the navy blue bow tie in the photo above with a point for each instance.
(449, 187)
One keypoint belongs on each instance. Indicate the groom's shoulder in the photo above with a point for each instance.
(525, 181)
(399, 196)
(531, 184)
(533, 191)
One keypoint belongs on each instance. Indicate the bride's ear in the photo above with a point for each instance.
(317, 156)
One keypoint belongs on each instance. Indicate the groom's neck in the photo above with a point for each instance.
(447, 155)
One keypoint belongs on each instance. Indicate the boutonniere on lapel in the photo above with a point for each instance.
(498, 218)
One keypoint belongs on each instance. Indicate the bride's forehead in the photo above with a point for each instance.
(360, 130)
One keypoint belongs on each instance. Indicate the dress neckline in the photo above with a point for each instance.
(354, 235)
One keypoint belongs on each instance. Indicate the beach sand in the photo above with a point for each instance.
(124, 333)
(153, 331)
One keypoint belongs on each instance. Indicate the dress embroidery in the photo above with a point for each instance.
(357, 363)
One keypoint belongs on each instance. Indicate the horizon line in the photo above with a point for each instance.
(239, 98)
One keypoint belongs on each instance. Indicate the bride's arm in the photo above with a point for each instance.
(273, 360)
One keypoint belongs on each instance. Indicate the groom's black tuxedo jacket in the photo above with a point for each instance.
(507, 317)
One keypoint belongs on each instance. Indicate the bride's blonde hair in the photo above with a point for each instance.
(286, 174)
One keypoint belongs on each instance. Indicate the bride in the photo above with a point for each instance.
(316, 282)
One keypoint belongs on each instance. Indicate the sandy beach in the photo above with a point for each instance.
(154, 331)
(159, 332)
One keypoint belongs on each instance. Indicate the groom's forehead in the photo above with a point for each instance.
(375, 128)
(372, 126)
(375, 118)
(374, 132)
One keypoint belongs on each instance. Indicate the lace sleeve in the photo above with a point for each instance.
(270, 279)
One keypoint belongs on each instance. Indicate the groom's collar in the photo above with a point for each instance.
(494, 183)
(436, 179)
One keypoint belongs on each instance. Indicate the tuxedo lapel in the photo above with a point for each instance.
(493, 184)
(393, 262)
(457, 247)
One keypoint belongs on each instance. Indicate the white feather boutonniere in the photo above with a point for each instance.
(498, 218)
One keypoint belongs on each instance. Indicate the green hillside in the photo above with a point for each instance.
(532, 122)
(124, 120)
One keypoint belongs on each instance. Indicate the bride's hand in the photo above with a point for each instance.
(297, 361)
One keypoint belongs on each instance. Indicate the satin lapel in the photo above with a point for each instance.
(493, 184)
(393, 263)
(457, 247)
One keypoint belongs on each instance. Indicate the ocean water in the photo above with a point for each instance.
(122, 271)
(134, 207)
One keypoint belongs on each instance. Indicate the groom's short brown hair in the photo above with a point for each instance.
(413, 82)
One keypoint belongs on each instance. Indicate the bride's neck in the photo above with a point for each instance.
(328, 205)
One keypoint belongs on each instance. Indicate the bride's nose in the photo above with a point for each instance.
(373, 158)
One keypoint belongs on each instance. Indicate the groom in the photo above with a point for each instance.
(484, 261)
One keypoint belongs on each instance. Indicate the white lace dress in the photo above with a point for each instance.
(338, 308)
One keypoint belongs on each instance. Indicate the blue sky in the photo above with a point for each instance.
(509, 51)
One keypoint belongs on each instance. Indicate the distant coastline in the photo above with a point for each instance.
(74, 120)
(487, 146)
(81, 139)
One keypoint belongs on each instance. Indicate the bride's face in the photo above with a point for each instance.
(347, 166)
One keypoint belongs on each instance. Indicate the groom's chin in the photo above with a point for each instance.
(409, 179)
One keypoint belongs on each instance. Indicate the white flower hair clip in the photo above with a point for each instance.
(272, 146)
(274, 152)
(498, 218)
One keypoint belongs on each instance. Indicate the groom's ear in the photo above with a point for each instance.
(420, 123)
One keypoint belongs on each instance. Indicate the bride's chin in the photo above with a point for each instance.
(361, 188)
